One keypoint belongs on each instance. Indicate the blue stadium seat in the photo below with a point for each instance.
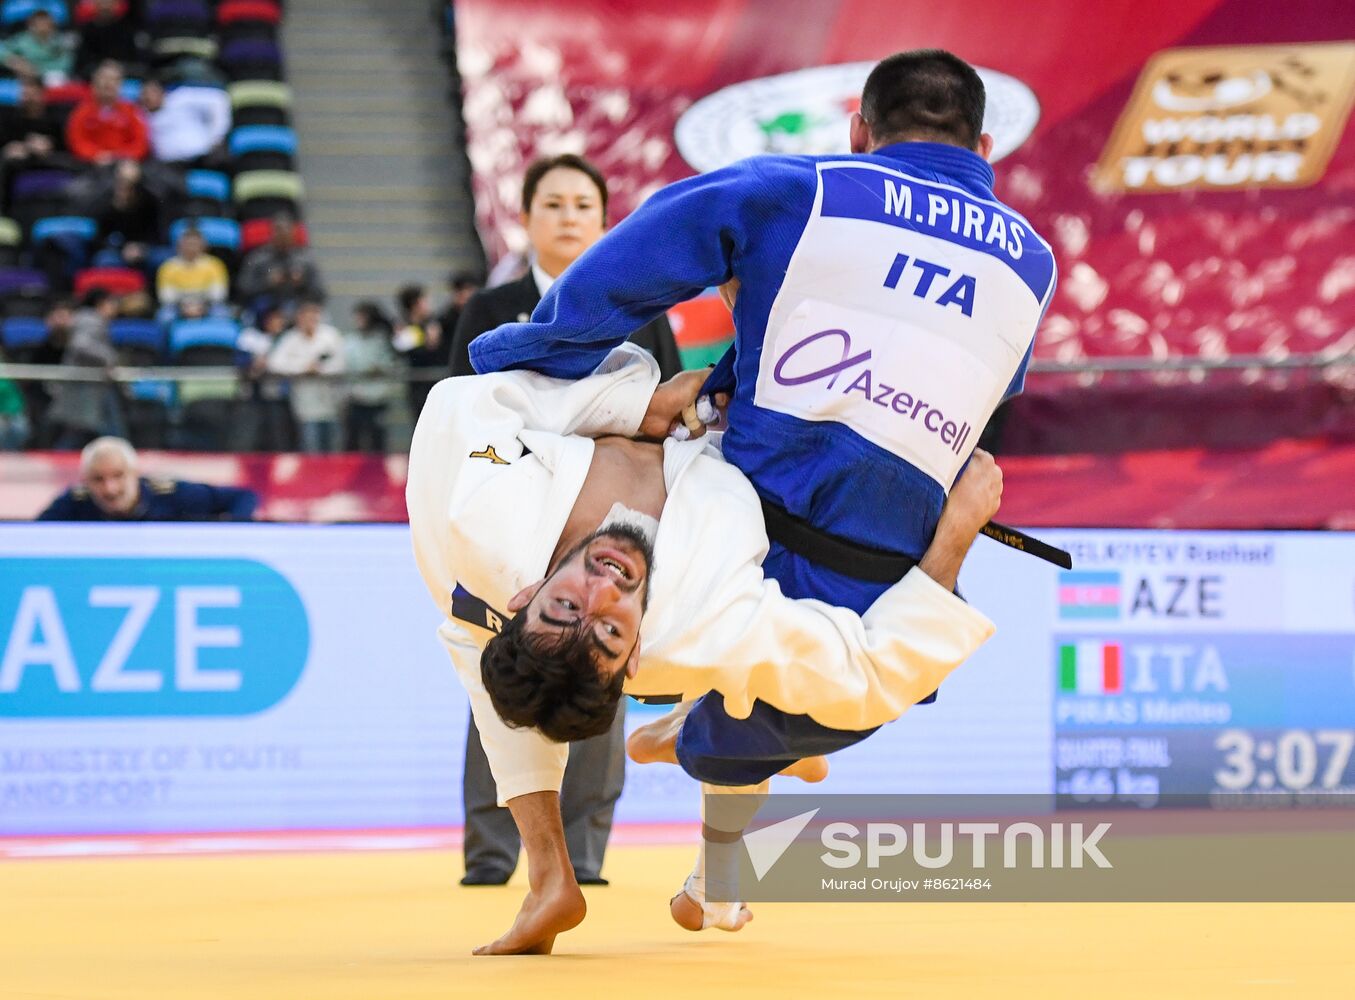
(14, 12)
(188, 333)
(9, 93)
(75, 226)
(263, 139)
(219, 233)
(16, 281)
(210, 184)
(154, 390)
(20, 332)
(143, 334)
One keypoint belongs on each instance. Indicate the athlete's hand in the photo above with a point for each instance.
(975, 498)
(972, 503)
(670, 399)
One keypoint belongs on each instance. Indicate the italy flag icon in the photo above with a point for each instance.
(1090, 667)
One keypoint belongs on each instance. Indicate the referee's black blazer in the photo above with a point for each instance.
(514, 302)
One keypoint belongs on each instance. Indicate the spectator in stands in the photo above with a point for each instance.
(128, 217)
(39, 395)
(369, 352)
(312, 347)
(462, 285)
(191, 281)
(279, 273)
(13, 414)
(31, 135)
(84, 410)
(266, 422)
(111, 489)
(188, 124)
(108, 34)
(39, 50)
(104, 128)
(30, 130)
(564, 209)
(418, 338)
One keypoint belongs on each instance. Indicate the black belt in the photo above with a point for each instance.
(853, 559)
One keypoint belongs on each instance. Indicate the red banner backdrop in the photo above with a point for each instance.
(1287, 484)
(1255, 257)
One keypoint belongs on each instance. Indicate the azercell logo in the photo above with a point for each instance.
(887, 397)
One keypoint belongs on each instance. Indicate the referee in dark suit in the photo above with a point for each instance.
(564, 209)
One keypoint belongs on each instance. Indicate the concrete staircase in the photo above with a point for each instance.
(387, 194)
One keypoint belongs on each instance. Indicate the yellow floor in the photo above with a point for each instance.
(377, 926)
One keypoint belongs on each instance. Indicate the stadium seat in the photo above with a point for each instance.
(238, 19)
(263, 147)
(85, 10)
(145, 335)
(258, 102)
(262, 138)
(24, 291)
(180, 46)
(9, 92)
(252, 59)
(189, 334)
(236, 11)
(19, 333)
(218, 233)
(257, 232)
(11, 241)
(114, 280)
(178, 18)
(77, 227)
(15, 12)
(260, 193)
(211, 185)
(65, 96)
(35, 194)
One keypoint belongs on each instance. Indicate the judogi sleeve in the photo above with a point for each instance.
(521, 760)
(807, 657)
(681, 241)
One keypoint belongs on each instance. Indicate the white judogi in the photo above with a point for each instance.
(495, 467)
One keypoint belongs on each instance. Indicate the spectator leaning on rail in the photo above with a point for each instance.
(368, 351)
(103, 127)
(312, 348)
(85, 410)
(110, 489)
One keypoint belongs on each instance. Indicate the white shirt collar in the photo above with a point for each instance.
(542, 279)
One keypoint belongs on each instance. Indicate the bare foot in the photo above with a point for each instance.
(811, 769)
(656, 742)
(544, 914)
(688, 914)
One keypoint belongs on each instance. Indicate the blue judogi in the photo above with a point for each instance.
(888, 304)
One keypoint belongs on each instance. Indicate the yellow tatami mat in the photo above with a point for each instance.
(391, 925)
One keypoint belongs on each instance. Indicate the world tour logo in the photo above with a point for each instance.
(793, 370)
(1231, 117)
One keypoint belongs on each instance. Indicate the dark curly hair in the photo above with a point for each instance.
(549, 682)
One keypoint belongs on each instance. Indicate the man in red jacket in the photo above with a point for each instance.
(103, 127)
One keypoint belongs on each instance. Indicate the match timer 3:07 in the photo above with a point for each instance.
(1294, 760)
